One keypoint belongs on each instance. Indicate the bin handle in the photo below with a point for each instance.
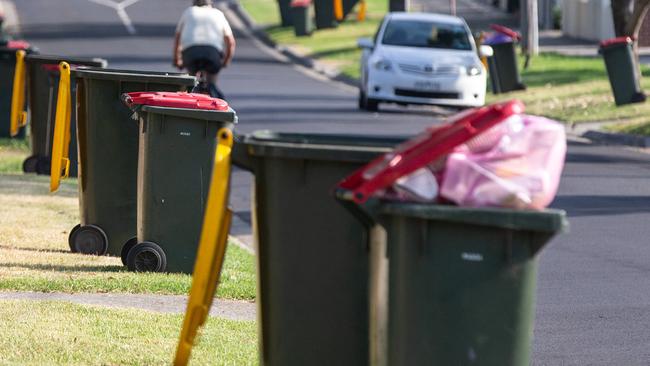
(60, 164)
(18, 114)
(211, 250)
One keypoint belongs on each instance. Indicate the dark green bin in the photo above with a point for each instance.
(177, 151)
(313, 255)
(7, 69)
(462, 282)
(622, 69)
(107, 138)
(42, 91)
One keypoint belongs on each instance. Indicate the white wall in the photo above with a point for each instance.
(587, 19)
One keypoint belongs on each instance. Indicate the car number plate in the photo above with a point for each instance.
(427, 85)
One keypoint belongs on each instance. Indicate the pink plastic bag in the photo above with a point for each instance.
(516, 164)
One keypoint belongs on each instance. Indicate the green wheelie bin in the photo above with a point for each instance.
(178, 139)
(107, 139)
(502, 66)
(622, 69)
(42, 89)
(459, 288)
(462, 282)
(7, 74)
(313, 255)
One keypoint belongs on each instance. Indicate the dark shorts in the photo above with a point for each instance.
(207, 58)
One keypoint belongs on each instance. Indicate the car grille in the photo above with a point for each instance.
(425, 94)
(434, 70)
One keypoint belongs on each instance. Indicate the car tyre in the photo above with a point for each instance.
(146, 257)
(362, 100)
(372, 105)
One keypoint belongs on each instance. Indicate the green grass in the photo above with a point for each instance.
(575, 90)
(13, 152)
(336, 47)
(59, 333)
(34, 253)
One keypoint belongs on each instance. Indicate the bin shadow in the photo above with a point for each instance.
(591, 205)
(64, 268)
(37, 250)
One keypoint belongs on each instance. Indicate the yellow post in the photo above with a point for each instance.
(18, 115)
(338, 9)
(211, 251)
(361, 12)
(60, 164)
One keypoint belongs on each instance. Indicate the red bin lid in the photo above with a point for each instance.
(616, 41)
(177, 100)
(18, 45)
(505, 30)
(425, 149)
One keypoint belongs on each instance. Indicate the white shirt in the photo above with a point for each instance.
(203, 26)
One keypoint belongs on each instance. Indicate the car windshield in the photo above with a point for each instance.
(418, 33)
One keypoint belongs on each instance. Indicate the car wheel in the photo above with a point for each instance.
(362, 99)
(372, 105)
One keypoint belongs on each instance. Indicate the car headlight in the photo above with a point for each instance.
(383, 64)
(474, 70)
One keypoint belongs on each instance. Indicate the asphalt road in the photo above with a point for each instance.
(594, 282)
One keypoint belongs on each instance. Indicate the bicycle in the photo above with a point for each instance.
(202, 74)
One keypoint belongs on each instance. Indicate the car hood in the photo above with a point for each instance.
(428, 56)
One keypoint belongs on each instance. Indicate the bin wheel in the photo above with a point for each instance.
(146, 257)
(126, 248)
(29, 165)
(71, 236)
(89, 239)
(43, 166)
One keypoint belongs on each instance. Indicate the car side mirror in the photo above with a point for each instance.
(365, 43)
(485, 51)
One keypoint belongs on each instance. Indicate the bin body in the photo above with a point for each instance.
(285, 12)
(312, 253)
(7, 69)
(324, 14)
(177, 149)
(42, 92)
(301, 19)
(462, 282)
(622, 70)
(107, 138)
(502, 66)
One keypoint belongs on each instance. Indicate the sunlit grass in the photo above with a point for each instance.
(35, 256)
(59, 333)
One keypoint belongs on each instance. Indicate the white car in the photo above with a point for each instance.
(422, 58)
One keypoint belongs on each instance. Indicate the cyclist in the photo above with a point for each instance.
(204, 42)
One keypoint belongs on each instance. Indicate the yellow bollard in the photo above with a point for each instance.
(211, 251)
(18, 117)
(60, 164)
(338, 9)
(361, 13)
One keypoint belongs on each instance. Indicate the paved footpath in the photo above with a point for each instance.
(594, 282)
